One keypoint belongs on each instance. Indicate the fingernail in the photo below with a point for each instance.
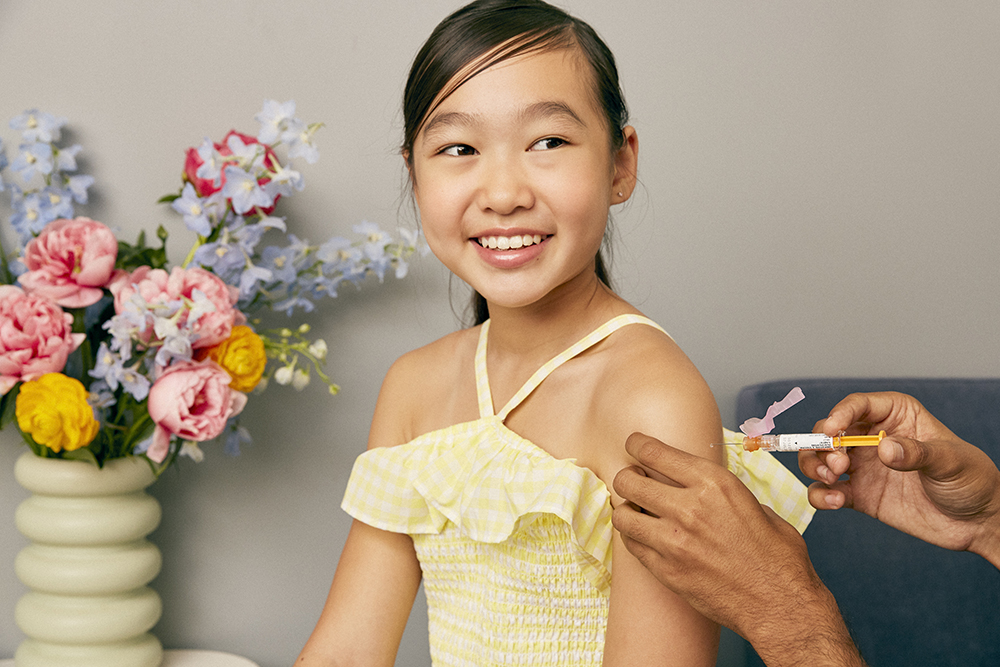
(897, 451)
(825, 473)
(833, 500)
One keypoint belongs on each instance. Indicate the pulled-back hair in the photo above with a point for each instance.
(486, 32)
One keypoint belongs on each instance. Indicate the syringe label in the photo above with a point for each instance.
(798, 441)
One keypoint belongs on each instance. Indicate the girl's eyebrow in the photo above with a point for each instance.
(536, 111)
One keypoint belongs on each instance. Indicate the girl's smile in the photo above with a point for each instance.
(509, 249)
(514, 175)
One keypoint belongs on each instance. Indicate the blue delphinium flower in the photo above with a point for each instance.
(66, 157)
(107, 367)
(56, 203)
(34, 158)
(243, 190)
(35, 125)
(77, 186)
(222, 257)
(299, 138)
(135, 383)
(27, 220)
(191, 206)
(273, 120)
(211, 162)
(281, 262)
(250, 280)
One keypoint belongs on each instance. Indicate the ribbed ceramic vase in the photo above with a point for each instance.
(87, 565)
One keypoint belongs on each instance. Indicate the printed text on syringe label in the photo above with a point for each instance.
(799, 441)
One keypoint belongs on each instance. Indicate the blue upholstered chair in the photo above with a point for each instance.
(906, 602)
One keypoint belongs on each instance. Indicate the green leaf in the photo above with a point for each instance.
(6, 277)
(82, 454)
(7, 405)
(168, 199)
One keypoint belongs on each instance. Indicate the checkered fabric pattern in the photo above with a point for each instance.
(515, 545)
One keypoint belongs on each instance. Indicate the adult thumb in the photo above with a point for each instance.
(903, 454)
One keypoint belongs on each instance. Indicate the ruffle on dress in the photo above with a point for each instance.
(486, 480)
(772, 483)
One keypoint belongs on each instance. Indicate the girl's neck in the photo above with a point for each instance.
(547, 327)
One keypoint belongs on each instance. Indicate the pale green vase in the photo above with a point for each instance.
(87, 565)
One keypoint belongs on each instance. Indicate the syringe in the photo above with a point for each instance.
(795, 442)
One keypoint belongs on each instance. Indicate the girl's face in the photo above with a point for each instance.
(513, 175)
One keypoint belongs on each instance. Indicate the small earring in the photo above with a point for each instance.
(620, 194)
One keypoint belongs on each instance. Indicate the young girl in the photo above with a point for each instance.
(499, 500)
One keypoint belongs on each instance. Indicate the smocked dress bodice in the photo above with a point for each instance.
(514, 544)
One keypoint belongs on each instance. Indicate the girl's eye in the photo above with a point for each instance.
(547, 144)
(458, 150)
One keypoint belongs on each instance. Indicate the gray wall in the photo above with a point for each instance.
(821, 196)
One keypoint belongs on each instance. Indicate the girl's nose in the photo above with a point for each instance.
(504, 186)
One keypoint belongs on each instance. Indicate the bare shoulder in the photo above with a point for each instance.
(428, 388)
(652, 387)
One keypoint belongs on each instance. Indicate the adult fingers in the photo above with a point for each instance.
(675, 465)
(640, 532)
(823, 466)
(936, 460)
(871, 408)
(633, 485)
(828, 497)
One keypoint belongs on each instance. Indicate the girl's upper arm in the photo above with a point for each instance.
(377, 575)
(649, 624)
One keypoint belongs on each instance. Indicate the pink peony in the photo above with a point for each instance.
(156, 286)
(35, 337)
(70, 261)
(193, 401)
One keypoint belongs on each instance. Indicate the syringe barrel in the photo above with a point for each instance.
(792, 442)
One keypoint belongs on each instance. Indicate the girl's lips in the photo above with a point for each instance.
(510, 258)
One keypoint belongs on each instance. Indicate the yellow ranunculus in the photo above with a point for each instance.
(54, 410)
(242, 356)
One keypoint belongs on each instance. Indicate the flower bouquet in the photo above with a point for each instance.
(107, 352)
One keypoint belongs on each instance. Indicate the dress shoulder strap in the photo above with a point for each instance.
(482, 379)
(588, 341)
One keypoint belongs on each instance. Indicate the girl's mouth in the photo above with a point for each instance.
(511, 242)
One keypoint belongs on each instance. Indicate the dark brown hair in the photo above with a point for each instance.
(486, 32)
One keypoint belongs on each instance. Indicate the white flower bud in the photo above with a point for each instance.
(318, 349)
(300, 379)
(283, 375)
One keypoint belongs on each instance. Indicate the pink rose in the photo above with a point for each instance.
(192, 400)
(206, 186)
(35, 337)
(70, 261)
(156, 286)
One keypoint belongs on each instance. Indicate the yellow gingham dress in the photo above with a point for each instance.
(515, 545)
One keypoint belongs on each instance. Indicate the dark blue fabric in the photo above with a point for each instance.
(906, 602)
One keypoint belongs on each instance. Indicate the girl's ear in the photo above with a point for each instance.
(626, 167)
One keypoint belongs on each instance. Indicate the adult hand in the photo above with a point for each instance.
(921, 479)
(703, 534)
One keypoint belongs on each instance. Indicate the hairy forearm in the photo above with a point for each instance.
(810, 632)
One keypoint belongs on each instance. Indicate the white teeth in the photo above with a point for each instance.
(509, 242)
